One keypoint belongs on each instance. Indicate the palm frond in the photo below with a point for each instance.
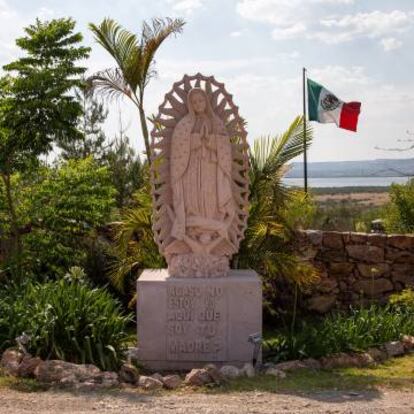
(119, 269)
(119, 42)
(291, 142)
(111, 83)
(268, 158)
(267, 246)
(135, 56)
(272, 153)
(152, 36)
(134, 246)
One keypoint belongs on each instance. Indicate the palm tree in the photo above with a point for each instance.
(269, 238)
(134, 57)
(134, 247)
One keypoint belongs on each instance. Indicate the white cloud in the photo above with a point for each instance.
(290, 55)
(186, 7)
(11, 27)
(235, 34)
(173, 69)
(391, 43)
(280, 100)
(288, 32)
(279, 12)
(313, 19)
(45, 13)
(334, 1)
(335, 76)
(283, 12)
(373, 25)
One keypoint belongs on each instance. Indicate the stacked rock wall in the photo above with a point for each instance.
(356, 268)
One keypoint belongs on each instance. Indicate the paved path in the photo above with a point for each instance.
(125, 402)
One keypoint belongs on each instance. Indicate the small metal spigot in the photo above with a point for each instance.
(256, 340)
(22, 341)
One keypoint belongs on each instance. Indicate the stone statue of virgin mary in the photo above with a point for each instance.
(200, 167)
(203, 226)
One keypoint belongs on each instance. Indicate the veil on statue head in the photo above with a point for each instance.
(209, 110)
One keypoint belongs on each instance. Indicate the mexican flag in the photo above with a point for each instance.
(325, 107)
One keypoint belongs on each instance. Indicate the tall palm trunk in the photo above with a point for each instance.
(145, 134)
(134, 57)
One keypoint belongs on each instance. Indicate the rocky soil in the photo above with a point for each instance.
(132, 401)
(85, 388)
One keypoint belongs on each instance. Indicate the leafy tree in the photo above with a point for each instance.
(67, 204)
(41, 108)
(134, 56)
(36, 104)
(126, 168)
(92, 140)
(399, 213)
(59, 209)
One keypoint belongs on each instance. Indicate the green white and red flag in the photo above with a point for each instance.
(325, 107)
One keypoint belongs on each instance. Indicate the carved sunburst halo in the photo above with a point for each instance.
(171, 111)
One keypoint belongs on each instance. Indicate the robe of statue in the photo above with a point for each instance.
(200, 167)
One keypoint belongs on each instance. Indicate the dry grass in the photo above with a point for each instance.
(397, 373)
(369, 199)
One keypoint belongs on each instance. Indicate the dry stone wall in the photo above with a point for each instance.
(356, 268)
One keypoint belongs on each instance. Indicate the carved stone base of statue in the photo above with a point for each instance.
(198, 265)
(189, 322)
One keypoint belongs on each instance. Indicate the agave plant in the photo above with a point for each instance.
(134, 56)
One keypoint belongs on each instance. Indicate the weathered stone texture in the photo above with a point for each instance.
(341, 269)
(11, 360)
(400, 241)
(373, 288)
(28, 366)
(129, 374)
(149, 383)
(190, 322)
(333, 240)
(358, 238)
(356, 267)
(366, 253)
(198, 377)
(171, 382)
(376, 239)
(321, 304)
(373, 270)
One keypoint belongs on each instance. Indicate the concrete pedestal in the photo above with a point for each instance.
(189, 322)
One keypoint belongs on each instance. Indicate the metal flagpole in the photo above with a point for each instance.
(305, 157)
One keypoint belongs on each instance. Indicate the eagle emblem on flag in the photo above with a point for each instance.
(330, 102)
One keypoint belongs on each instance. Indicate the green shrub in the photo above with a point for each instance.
(58, 209)
(67, 320)
(343, 332)
(404, 299)
(300, 210)
(399, 214)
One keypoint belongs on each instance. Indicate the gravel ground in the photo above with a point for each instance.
(62, 402)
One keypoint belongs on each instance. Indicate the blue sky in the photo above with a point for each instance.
(359, 49)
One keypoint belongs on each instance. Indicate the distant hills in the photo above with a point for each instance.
(369, 168)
